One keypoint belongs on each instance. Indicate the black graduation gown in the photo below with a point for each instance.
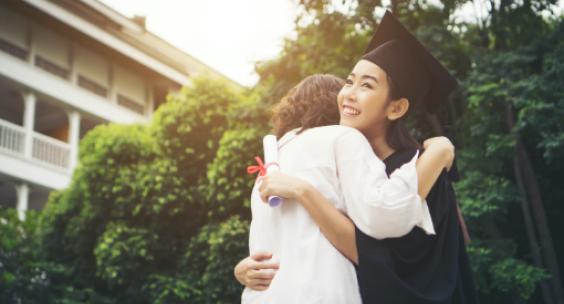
(418, 268)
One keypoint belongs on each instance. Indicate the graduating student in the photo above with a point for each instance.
(395, 72)
(339, 162)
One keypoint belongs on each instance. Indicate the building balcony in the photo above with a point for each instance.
(46, 162)
(45, 150)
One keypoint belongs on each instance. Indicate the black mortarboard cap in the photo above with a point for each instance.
(417, 75)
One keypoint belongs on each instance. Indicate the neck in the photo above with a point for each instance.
(380, 146)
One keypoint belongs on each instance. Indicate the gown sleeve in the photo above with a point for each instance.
(379, 206)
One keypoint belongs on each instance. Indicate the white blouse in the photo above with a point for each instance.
(340, 163)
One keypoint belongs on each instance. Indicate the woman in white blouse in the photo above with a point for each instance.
(340, 163)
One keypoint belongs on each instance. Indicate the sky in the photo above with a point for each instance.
(228, 35)
(231, 35)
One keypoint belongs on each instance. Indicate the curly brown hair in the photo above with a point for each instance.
(311, 103)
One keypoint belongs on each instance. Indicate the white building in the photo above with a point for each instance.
(65, 67)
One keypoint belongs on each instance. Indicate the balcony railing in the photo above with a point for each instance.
(12, 137)
(50, 150)
(44, 148)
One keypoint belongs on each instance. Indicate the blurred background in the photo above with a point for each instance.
(126, 128)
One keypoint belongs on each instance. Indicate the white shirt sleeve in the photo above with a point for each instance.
(381, 207)
(263, 235)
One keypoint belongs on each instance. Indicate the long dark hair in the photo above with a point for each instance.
(397, 135)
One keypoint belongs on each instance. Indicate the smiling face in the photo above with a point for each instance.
(363, 100)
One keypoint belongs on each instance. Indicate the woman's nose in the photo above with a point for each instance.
(350, 94)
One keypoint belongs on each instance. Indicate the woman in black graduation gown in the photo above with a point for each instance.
(418, 268)
(415, 268)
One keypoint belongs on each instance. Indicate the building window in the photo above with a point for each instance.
(92, 86)
(51, 67)
(130, 104)
(13, 49)
(92, 69)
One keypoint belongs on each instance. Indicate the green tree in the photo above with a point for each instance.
(159, 213)
(21, 267)
(138, 199)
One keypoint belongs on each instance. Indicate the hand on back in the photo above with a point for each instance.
(256, 271)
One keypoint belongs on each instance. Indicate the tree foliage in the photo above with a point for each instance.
(159, 213)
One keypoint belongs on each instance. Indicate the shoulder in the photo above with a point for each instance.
(340, 139)
(333, 131)
(398, 158)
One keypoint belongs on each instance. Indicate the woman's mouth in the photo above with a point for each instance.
(350, 111)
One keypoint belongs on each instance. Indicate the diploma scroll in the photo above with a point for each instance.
(271, 160)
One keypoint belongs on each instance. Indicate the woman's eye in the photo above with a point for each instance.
(367, 85)
(348, 81)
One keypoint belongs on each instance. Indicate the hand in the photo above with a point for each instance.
(443, 145)
(255, 271)
(281, 185)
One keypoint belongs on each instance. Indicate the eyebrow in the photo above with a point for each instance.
(366, 77)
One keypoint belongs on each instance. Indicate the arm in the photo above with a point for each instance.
(438, 155)
(337, 227)
(334, 225)
(383, 207)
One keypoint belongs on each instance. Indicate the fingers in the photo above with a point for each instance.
(258, 261)
(266, 265)
(264, 193)
(259, 285)
(262, 274)
(264, 197)
(261, 255)
(259, 279)
(263, 265)
(257, 272)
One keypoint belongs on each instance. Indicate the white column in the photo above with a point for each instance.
(150, 104)
(112, 91)
(28, 122)
(30, 45)
(23, 199)
(74, 138)
(72, 64)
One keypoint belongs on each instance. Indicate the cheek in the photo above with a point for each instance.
(341, 97)
(372, 107)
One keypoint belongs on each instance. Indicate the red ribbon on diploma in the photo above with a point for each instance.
(261, 168)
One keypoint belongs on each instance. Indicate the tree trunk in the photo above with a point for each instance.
(530, 228)
(394, 7)
(532, 191)
(540, 217)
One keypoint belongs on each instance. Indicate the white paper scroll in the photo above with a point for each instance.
(271, 161)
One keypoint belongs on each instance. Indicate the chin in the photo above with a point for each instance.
(345, 121)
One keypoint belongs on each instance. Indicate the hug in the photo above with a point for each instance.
(369, 214)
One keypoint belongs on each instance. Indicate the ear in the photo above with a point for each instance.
(397, 108)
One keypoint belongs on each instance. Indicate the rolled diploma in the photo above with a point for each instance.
(271, 156)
